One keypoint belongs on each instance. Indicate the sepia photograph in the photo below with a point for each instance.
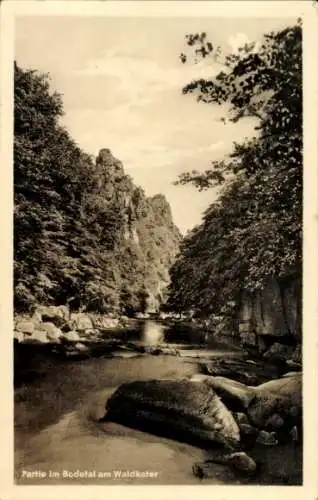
(158, 201)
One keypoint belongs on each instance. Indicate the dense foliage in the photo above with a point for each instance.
(84, 235)
(253, 230)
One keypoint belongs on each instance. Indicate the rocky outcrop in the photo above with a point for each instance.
(148, 240)
(274, 311)
(270, 321)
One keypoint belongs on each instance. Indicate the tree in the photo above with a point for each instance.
(254, 228)
(64, 227)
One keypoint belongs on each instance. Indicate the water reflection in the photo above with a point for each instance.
(153, 333)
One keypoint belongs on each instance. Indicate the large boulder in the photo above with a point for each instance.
(103, 322)
(37, 337)
(235, 395)
(52, 332)
(275, 404)
(26, 326)
(18, 336)
(180, 409)
(52, 314)
(239, 461)
(284, 386)
(81, 347)
(282, 397)
(80, 321)
(71, 336)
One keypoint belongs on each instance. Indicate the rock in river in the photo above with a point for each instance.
(241, 418)
(239, 461)
(27, 327)
(267, 438)
(71, 336)
(274, 405)
(282, 397)
(52, 332)
(235, 395)
(274, 422)
(179, 409)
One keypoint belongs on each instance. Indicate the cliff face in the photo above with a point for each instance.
(273, 312)
(271, 321)
(147, 239)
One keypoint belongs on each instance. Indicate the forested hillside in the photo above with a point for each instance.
(84, 234)
(253, 231)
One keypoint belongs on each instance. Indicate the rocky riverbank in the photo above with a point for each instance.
(271, 346)
(55, 324)
(76, 379)
(54, 334)
(59, 326)
(209, 410)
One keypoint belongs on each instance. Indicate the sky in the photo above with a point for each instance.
(121, 80)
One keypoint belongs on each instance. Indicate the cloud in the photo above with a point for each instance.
(121, 81)
(143, 116)
(239, 40)
(142, 144)
(161, 156)
(140, 77)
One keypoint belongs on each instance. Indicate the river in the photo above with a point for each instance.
(58, 437)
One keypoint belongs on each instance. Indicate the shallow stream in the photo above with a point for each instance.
(59, 440)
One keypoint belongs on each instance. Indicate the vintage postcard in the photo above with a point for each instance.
(159, 190)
